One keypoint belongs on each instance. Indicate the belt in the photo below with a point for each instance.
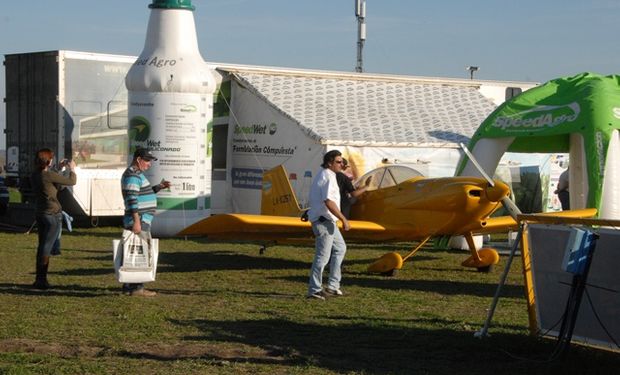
(321, 219)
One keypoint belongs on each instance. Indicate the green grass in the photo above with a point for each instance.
(224, 309)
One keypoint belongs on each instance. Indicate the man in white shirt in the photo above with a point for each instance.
(324, 214)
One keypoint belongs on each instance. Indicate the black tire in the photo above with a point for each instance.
(485, 269)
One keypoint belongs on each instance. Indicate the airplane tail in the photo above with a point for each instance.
(278, 197)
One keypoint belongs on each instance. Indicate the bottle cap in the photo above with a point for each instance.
(172, 4)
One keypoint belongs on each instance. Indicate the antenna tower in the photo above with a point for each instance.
(360, 13)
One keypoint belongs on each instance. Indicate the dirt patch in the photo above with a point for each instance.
(38, 347)
(159, 351)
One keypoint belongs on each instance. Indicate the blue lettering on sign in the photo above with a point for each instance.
(247, 178)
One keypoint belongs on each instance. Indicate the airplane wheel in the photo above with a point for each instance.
(261, 250)
(387, 263)
(488, 256)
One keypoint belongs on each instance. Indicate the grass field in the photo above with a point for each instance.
(224, 309)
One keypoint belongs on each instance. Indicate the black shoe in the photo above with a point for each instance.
(317, 295)
(333, 292)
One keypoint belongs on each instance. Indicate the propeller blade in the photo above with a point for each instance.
(508, 204)
(511, 207)
(476, 164)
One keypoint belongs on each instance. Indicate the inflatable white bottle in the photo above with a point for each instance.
(170, 111)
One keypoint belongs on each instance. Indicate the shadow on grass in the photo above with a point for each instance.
(425, 321)
(222, 260)
(196, 262)
(368, 261)
(94, 251)
(92, 292)
(382, 349)
(293, 243)
(384, 246)
(85, 271)
(104, 258)
(445, 287)
(223, 359)
(94, 233)
(57, 290)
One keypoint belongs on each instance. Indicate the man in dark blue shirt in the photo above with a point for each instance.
(347, 190)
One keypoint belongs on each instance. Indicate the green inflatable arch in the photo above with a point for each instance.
(578, 115)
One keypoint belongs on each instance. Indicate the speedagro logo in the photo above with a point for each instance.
(540, 117)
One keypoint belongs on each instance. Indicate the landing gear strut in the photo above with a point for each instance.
(482, 259)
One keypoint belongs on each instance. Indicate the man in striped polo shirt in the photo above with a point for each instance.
(140, 205)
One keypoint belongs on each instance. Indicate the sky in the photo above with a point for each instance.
(526, 40)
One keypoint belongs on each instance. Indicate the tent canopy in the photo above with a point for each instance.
(543, 117)
(371, 111)
(579, 115)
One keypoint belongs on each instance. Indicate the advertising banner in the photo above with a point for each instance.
(261, 139)
(174, 127)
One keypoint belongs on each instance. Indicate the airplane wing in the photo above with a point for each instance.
(504, 223)
(266, 227)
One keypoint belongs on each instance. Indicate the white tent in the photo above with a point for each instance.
(292, 117)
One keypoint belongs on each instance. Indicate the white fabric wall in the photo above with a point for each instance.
(578, 174)
(610, 200)
(488, 152)
(255, 128)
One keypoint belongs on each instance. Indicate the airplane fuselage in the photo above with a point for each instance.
(431, 206)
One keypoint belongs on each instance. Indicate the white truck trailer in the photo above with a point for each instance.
(74, 103)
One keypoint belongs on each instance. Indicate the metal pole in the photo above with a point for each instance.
(472, 69)
(484, 332)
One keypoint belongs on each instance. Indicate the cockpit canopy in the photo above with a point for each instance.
(387, 176)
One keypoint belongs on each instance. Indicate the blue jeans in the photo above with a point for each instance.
(48, 227)
(328, 243)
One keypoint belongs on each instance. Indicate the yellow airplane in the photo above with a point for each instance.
(398, 206)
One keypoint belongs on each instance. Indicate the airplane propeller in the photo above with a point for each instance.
(508, 204)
